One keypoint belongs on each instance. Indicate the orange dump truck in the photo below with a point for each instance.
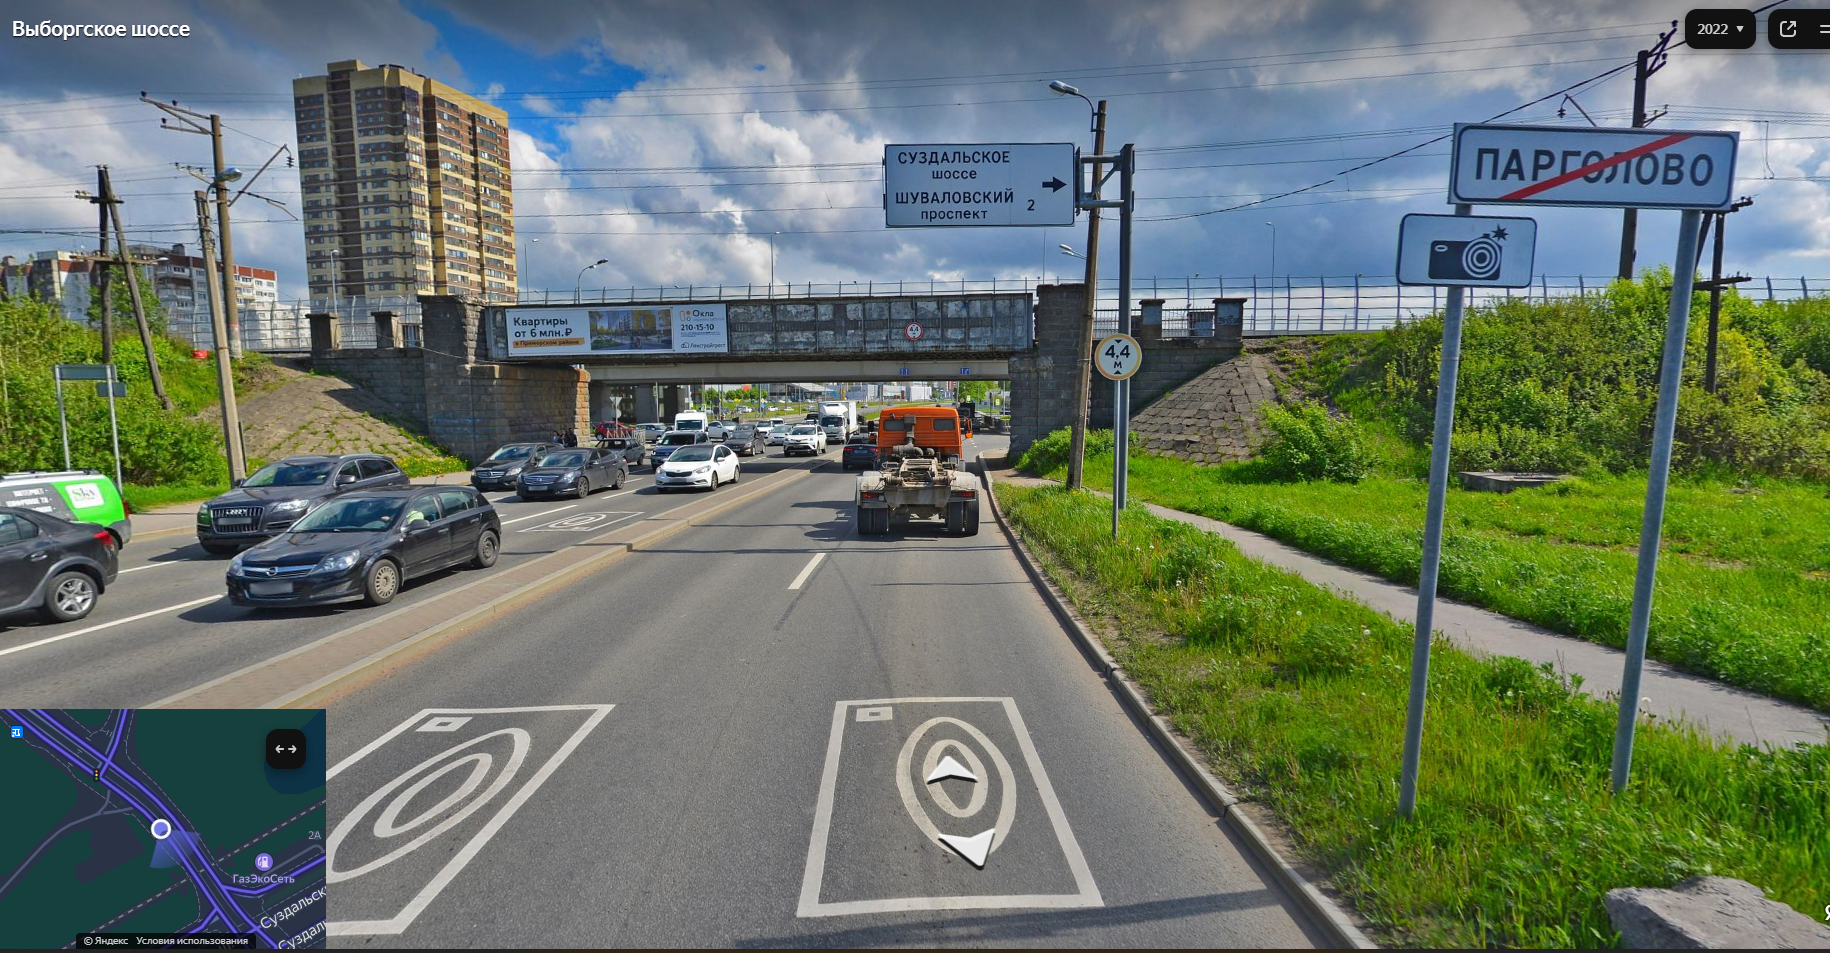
(919, 473)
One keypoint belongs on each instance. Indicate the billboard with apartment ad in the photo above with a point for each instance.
(603, 330)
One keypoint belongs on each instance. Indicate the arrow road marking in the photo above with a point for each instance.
(949, 768)
(972, 848)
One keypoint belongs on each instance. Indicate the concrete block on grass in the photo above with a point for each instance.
(1710, 913)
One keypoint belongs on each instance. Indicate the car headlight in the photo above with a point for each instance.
(288, 506)
(698, 470)
(235, 565)
(512, 471)
(567, 477)
(203, 515)
(338, 562)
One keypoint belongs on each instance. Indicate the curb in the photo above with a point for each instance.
(1323, 912)
(359, 673)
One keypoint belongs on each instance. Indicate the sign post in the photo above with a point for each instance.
(1692, 171)
(1118, 356)
(107, 385)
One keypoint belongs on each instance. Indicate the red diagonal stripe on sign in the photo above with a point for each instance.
(1609, 162)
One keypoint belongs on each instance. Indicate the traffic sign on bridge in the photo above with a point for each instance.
(1613, 168)
(1028, 183)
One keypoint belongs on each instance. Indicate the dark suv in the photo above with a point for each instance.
(272, 498)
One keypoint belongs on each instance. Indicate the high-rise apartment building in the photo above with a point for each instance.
(406, 188)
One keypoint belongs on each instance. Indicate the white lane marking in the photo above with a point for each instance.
(808, 571)
(400, 921)
(155, 565)
(109, 625)
(539, 514)
(580, 523)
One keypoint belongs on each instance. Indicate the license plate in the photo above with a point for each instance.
(270, 588)
(234, 524)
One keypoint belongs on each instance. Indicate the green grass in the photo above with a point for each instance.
(1297, 699)
(143, 498)
(1743, 576)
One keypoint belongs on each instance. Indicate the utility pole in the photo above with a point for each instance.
(100, 284)
(1649, 62)
(112, 205)
(1715, 284)
(225, 377)
(1083, 374)
(190, 119)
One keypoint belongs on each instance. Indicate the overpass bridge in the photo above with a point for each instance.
(879, 338)
(478, 376)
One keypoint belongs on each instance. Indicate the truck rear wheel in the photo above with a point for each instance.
(972, 519)
(956, 519)
(873, 522)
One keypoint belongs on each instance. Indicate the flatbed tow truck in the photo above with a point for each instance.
(919, 474)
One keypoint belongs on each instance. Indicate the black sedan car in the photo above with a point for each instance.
(53, 565)
(369, 545)
(271, 498)
(576, 471)
(860, 452)
(504, 467)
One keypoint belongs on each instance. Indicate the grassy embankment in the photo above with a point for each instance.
(1566, 385)
(1297, 698)
(1744, 570)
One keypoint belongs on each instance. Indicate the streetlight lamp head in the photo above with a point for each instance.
(1066, 248)
(229, 175)
(1063, 89)
(600, 261)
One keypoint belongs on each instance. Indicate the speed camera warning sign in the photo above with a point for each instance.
(1118, 356)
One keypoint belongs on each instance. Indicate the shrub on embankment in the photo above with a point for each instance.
(182, 445)
(1571, 383)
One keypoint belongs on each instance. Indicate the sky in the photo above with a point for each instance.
(694, 143)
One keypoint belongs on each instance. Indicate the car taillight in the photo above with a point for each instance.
(964, 494)
(106, 537)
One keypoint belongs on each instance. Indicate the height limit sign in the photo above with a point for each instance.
(977, 184)
(1117, 356)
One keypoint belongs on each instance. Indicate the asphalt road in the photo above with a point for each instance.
(165, 625)
(709, 742)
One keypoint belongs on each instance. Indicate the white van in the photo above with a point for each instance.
(692, 420)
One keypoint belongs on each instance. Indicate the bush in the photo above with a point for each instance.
(1306, 443)
(1052, 452)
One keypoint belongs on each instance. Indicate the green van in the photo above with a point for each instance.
(81, 496)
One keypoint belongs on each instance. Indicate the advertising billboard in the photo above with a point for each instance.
(607, 330)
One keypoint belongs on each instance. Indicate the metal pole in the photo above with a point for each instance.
(1083, 371)
(231, 314)
(1121, 395)
(1715, 306)
(225, 377)
(63, 421)
(114, 430)
(1432, 544)
(1664, 424)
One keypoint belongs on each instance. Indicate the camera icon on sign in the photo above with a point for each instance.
(1474, 260)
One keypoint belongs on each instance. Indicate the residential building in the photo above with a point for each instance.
(406, 190)
(177, 280)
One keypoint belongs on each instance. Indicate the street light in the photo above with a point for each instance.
(1063, 89)
(1069, 251)
(1083, 385)
(581, 277)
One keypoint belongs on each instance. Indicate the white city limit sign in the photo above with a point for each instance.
(1024, 183)
(1613, 168)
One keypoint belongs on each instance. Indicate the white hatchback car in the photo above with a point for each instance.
(701, 465)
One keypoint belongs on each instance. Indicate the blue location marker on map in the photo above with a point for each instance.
(18, 731)
(263, 862)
